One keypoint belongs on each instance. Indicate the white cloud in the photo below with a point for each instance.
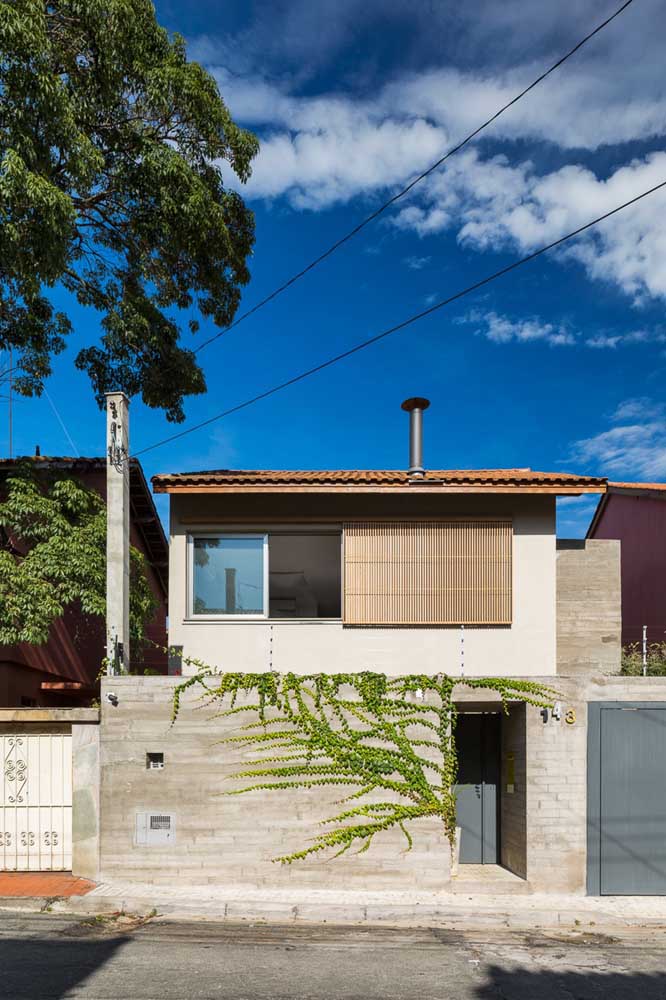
(505, 330)
(628, 450)
(574, 514)
(639, 408)
(496, 205)
(502, 330)
(367, 140)
(417, 263)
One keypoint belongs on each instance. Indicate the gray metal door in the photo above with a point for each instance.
(477, 740)
(627, 803)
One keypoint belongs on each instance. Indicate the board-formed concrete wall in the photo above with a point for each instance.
(228, 839)
(589, 617)
(233, 839)
(513, 791)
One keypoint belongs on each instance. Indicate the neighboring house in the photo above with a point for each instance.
(635, 513)
(64, 670)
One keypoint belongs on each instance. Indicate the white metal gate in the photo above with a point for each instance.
(36, 802)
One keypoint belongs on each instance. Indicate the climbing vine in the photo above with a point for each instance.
(388, 742)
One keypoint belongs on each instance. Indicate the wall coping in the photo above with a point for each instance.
(26, 715)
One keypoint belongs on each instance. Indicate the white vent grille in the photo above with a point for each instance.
(155, 829)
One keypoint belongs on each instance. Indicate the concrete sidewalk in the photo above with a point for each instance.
(447, 910)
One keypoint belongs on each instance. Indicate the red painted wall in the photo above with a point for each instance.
(77, 644)
(640, 523)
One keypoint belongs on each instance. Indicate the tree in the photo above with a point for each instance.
(53, 556)
(110, 185)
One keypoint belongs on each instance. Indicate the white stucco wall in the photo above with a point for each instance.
(526, 648)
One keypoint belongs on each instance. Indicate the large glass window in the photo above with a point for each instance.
(229, 575)
(305, 575)
(284, 574)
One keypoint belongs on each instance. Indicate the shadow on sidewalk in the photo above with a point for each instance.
(528, 984)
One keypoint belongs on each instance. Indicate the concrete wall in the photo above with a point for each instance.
(85, 800)
(233, 839)
(513, 791)
(589, 620)
(227, 839)
(525, 648)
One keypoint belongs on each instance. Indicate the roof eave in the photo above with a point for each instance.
(551, 489)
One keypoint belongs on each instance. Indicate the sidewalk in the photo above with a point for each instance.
(454, 911)
(42, 884)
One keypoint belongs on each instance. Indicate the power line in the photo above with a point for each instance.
(61, 422)
(405, 323)
(401, 194)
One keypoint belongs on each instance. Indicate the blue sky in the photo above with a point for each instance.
(558, 366)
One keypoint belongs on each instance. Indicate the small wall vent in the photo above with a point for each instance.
(155, 829)
(154, 761)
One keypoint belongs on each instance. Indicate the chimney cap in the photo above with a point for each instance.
(415, 403)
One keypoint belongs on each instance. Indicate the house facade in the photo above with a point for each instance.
(316, 571)
(455, 572)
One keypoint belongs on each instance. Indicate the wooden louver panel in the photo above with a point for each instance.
(428, 573)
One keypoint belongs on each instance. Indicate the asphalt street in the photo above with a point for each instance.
(55, 956)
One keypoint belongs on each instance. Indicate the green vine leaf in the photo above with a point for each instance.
(363, 731)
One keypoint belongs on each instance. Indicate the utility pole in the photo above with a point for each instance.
(117, 533)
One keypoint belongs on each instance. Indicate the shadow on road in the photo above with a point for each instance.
(39, 967)
(528, 984)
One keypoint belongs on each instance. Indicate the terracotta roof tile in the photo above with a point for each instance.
(344, 479)
(637, 486)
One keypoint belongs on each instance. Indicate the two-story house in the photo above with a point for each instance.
(396, 572)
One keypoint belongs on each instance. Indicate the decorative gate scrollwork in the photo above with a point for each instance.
(50, 838)
(16, 770)
(27, 838)
(5, 839)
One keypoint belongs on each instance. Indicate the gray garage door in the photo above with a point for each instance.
(627, 799)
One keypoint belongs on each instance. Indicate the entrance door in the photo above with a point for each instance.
(36, 802)
(627, 799)
(478, 743)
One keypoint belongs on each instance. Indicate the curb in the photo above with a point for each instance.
(312, 913)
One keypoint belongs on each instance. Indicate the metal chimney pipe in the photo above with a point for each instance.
(415, 407)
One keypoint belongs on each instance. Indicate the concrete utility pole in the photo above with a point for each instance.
(117, 533)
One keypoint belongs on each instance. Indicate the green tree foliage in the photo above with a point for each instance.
(53, 556)
(655, 660)
(388, 744)
(110, 145)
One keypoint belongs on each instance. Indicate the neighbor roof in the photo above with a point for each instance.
(142, 506)
(376, 480)
(656, 491)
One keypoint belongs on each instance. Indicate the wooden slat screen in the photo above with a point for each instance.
(428, 573)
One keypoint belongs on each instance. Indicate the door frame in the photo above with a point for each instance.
(594, 763)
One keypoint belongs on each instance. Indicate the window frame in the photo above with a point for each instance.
(210, 616)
